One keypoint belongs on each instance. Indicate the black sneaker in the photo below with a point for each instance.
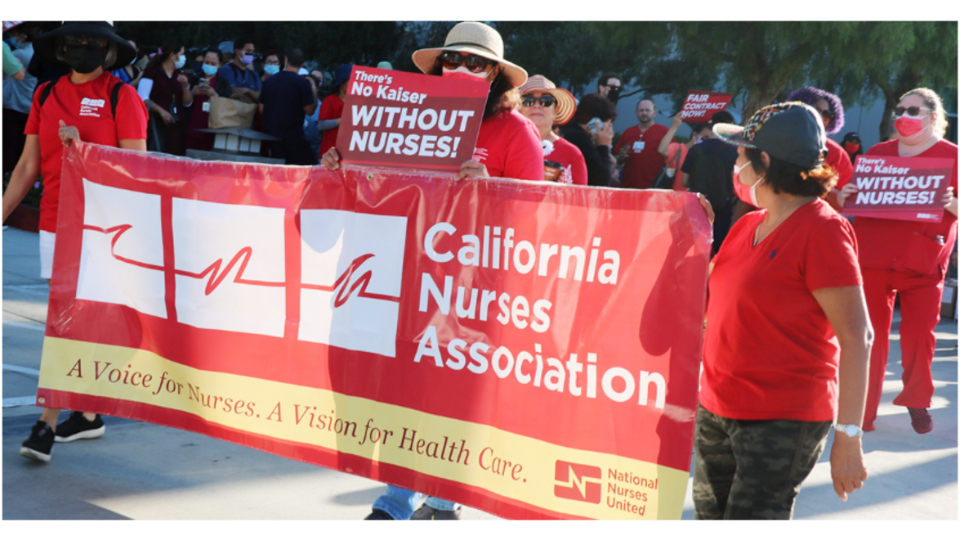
(40, 443)
(379, 514)
(429, 513)
(77, 427)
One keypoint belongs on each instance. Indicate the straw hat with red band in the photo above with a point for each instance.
(46, 44)
(566, 103)
(472, 38)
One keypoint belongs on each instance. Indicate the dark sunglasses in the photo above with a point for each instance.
(912, 111)
(474, 63)
(74, 41)
(827, 114)
(613, 87)
(544, 101)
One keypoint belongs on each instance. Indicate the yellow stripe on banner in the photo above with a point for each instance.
(553, 477)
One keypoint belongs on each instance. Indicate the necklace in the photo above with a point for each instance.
(756, 232)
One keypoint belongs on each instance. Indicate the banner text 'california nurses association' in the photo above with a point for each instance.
(528, 349)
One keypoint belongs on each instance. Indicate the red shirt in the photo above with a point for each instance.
(330, 108)
(769, 351)
(677, 174)
(838, 158)
(644, 162)
(94, 121)
(904, 245)
(570, 157)
(509, 145)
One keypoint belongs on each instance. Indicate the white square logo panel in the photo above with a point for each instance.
(351, 274)
(121, 257)
(230, 267)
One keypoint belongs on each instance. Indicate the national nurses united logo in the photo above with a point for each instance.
(226, 267)
(578, 482)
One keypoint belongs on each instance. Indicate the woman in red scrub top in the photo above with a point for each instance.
(909, 258)
(508, 146)
(78, 107)
(787, 337)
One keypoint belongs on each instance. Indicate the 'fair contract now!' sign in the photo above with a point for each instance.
(410, 120)
(899, 188)
(700, 105)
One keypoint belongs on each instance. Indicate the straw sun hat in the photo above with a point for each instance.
(472, 38)
(566, 103)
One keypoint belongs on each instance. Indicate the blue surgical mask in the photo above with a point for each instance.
(209, 70)
(12, 42)
(271, 69)
(180, 63)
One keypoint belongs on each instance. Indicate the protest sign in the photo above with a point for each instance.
(464, 340)
(410, 120)
(898, 188)
(700, 105)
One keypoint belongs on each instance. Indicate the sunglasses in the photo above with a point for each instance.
(544, 101)
(474, 63)
(912, 111)
(613, 87)
(75, 41)
(827, 114)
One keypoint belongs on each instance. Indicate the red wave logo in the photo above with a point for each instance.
(345, 285)
(216, 277)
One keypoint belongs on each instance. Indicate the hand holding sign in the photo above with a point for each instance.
(700, 105)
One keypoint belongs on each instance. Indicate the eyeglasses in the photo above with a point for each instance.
(614, 88)
(912, 111)
(827, 114)
(272, 62)
(544, 101)
(474, 63)
(74, 41)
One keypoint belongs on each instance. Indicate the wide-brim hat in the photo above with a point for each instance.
(46, 44)
(792, 132)
(566, 103)
(472, 38)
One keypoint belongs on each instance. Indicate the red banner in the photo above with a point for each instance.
(410, 120)
(899, 188)
(700, 105)
(529, 349)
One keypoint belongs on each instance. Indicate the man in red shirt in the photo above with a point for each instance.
(638, 147)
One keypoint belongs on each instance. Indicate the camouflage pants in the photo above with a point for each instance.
(752, 469)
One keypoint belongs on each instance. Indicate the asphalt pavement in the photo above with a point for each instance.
(143, 471)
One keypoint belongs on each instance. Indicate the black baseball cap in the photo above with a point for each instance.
(791, 131)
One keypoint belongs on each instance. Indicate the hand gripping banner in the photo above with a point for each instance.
(528, 349)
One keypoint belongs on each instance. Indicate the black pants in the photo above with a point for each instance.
(293, 151)
(752, 469)
(14, 122)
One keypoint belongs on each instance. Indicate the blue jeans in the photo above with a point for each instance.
(400, 503)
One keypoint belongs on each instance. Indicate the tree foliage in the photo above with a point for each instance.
(759, 62)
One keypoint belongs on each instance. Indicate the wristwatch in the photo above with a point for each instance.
(850, 430)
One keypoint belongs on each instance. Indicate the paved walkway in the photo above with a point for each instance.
(143, 471)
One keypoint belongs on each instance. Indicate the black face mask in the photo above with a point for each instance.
(613, 94)
(84, 58)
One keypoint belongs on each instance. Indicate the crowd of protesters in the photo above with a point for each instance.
(778, 183)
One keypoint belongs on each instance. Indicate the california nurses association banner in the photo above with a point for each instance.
(528, 349)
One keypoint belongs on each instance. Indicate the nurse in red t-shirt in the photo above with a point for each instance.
(787, 337)
(508, 146)
(331, 109)
(909, 259)
(78, 107)
(548, 106)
